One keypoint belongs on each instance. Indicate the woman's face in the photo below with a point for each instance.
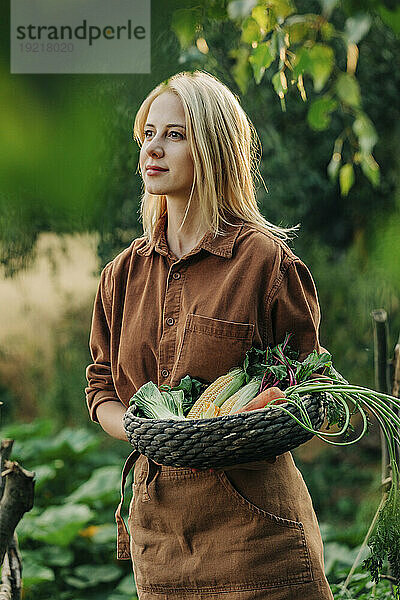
(166, 148)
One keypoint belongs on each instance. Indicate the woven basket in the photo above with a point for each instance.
(223, 441)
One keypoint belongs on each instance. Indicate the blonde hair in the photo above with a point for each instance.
(226, 152)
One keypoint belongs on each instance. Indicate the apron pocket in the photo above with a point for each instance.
(249, 506)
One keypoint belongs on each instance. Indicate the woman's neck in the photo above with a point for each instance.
(181, 241)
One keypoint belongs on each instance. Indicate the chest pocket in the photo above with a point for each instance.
(210, 347)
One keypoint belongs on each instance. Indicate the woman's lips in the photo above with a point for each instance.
(155, 171)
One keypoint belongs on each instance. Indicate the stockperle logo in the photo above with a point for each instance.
(80, 36)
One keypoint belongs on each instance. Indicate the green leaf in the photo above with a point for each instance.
(282, 8)
(27, 431)
(319, 113)
(34, 572)
(348, 90)
(260, 59)
(279, 86)
(298, 27)
(365, 132)
(356, 27)
(241, 70)
(84, 576)
(370, 168)
(43, 473)
(59, 525)
(48, 555)
(265, 18)
(105, 534)
(338, 554)
(183, 24)
(251, 31)
(102, 486)
(127, 585)
(346, 178)
(321, 60)
(327, 31)
(301, 63)
(67, 443)
(238, 9)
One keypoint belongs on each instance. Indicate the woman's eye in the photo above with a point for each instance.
(147, 133)
(176, 133)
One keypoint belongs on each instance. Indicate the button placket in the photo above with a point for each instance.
(171, 309)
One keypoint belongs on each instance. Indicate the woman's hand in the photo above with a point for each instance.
(272, 394)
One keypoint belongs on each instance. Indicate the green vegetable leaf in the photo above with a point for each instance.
(192, 389)
(254, 363)
(153, 404)
(319, 113)
(280, 371)
(312, 363)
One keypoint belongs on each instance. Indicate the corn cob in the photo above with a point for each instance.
(241, 397)
(210, 410)
(221, 389)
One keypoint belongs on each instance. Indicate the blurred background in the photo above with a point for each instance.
(320, 82)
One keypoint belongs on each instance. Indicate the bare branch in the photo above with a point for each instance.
(16, 501)
(11, 575)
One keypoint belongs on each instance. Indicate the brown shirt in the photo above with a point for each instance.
(160, 318)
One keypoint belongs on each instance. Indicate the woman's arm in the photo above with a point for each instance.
(294, 308)
(109, 415)
(102, 399)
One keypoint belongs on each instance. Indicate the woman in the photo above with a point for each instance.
(209, 278)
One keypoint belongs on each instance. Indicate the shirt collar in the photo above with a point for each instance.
(220, 245)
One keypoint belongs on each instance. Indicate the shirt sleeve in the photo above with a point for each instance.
(294, 308)
(98, 374)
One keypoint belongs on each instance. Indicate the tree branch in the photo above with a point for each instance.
(16, 501)
(10, 587)
(5, 453)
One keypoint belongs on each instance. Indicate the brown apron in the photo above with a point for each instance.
(247, 532)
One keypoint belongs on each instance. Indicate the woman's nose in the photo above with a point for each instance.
(154, 148)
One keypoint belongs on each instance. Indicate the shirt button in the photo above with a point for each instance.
(176, 275)
(165, 372)
(170, 321)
